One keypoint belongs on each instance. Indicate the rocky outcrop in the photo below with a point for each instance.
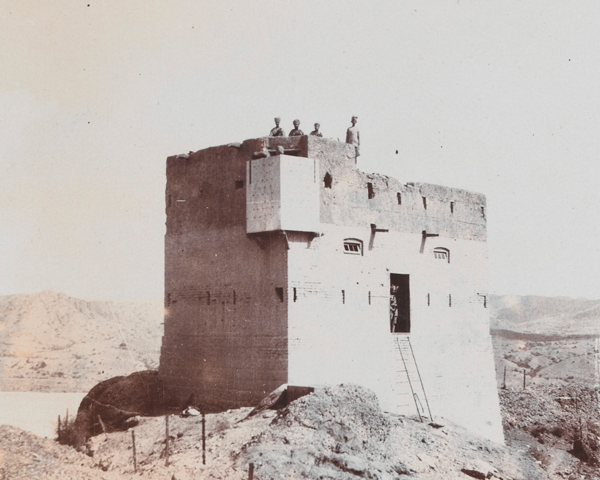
(112, 403)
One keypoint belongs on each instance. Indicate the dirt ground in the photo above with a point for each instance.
(546, 421)
(559, 404)
(559, 361)
(335, 433)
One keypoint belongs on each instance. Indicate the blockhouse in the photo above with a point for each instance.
(298, 268)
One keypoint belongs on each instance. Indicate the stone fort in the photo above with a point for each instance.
(297, 268)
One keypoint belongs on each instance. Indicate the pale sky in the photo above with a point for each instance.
(496, 97)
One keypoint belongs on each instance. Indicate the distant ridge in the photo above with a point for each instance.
(52, 342)
(550, 316)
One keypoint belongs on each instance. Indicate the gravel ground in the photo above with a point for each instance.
(335, 433)
(547, 420)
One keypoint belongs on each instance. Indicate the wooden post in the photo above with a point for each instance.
(167, 440)
(102, 425)
(58, 431)
(524, 379)
(504, 386)
(203, 439)
(67, 419)
(578, 416)
(251, 471)
(134, 459)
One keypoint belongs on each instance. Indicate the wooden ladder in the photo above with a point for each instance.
(411, 369)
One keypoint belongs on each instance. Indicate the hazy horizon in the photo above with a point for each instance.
(160, 298)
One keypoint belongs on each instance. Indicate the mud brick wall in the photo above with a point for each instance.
(246, 313)
(225, 337)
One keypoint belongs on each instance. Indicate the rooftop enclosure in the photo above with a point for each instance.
(282, 193)
(298, 268)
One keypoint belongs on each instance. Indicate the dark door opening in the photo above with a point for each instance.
(399, 303)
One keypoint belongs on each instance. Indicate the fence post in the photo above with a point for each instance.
(103, 427)
(58, 431)
(251, 471)
(504, 386)
(524, 379)
(134, 459)
(203, 439)
(167, 440)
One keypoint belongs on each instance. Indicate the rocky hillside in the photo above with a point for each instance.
(549, 340)
(560, 316)
(52, 342)
(335, 433)
(547, 353)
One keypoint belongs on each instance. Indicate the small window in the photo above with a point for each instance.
(370, 190)
(239, 184)
(441, 253)
(327, 180)
(353, 246)
(279, 292)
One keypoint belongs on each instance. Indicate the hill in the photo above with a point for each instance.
(560, 316)
(52, 342)
(336, 433)
(550, 339)
(546, 351)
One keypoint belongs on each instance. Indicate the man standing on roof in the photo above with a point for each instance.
(316, 132)
(277, 131)
(353, 136)
(296, 132)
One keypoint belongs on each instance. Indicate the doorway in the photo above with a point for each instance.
(399, 303)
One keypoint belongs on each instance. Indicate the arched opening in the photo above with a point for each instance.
(441, 253)
(353, 246)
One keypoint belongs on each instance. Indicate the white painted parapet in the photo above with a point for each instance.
(282, 194)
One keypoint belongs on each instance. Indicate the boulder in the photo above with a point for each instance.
(110, 404)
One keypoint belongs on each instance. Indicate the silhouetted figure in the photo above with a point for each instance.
(277, 131)
(296, 132)
(316, 132)
(353, 136)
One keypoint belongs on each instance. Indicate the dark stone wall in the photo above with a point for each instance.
(225, 337)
